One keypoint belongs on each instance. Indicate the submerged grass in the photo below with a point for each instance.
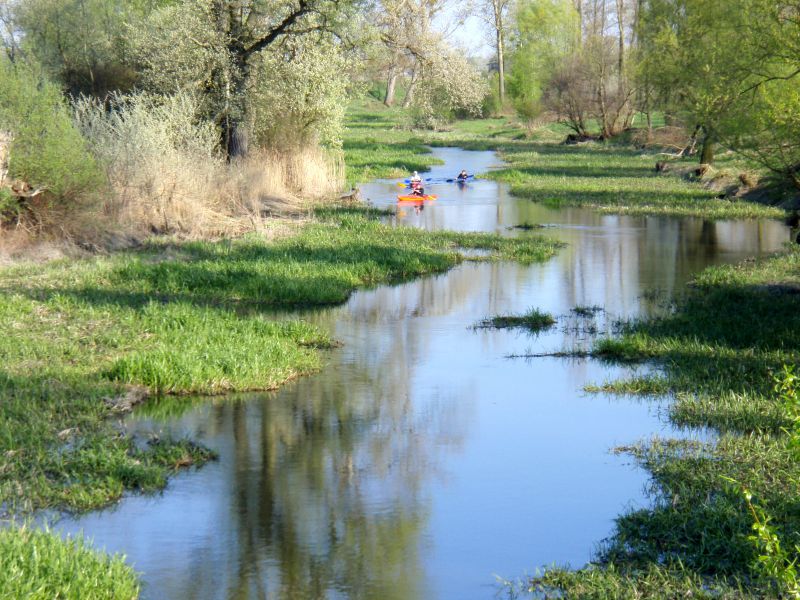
(39, 565)
(721, 353)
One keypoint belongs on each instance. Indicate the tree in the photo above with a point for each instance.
(762, 120)
(697, 70)
(544, 37)
(215, 46)
(81, 42)
(495, 15)
(405, 31)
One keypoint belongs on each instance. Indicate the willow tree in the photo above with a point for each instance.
(698, 69)
(545, 34)
(763, 118)
(216, 46)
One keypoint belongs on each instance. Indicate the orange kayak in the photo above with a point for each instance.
(417, 198)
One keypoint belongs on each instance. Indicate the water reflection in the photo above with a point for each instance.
(421, 462)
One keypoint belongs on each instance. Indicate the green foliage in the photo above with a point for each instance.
(300, 94)
(546, 31)
(81, 43)
(9, 206)
(449, 87)
(775, 566)
(737, 78)
(46, 150)
(39, 565)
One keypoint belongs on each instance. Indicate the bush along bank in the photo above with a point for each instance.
(724, 521)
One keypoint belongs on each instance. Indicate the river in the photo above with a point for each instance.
(422, 462)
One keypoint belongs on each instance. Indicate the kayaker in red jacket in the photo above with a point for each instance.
(416, 185)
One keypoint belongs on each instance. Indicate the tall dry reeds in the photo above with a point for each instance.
(166, 174)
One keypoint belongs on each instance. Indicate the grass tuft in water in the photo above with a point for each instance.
(533, 320)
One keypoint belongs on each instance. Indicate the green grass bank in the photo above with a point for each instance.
(726, 518)
(78, 339)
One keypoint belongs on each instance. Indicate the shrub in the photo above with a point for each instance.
(47, 150)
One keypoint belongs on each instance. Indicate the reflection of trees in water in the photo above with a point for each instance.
(620, 257)
(327, 476)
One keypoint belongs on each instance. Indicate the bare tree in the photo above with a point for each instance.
(495, 15)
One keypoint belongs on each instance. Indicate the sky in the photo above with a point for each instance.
(471, 35)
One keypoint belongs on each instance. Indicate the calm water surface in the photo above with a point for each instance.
(422, 462)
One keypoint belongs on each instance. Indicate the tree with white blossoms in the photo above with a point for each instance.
(300, 94)
(221, 48)
(449, 85)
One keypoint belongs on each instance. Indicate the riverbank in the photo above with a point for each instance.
(616, 178)
(84, 340)
(724, 521)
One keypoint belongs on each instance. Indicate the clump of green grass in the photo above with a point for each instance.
(533, 320)
(527, 226)
(653, 581)
(39, 565)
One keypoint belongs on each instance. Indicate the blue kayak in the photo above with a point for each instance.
(442, 180)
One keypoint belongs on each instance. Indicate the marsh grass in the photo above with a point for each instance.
(534, 320)
(586, 311)
(39, 565)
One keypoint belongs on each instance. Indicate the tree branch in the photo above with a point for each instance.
(304, 7)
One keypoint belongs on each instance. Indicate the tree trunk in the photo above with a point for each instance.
(707, 154)
(621, 59)
(391, 85)
(410, 92)
(501, 68)
(498, 25)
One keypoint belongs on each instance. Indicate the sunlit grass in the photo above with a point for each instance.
(39, 565)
